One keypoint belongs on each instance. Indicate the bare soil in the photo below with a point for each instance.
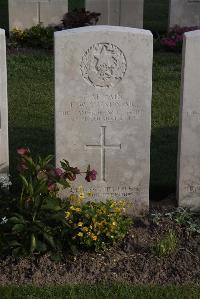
(131, 261)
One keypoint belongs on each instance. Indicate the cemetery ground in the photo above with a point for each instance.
(160, 249)
(139, 258)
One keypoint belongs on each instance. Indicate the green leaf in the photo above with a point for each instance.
(33, 243)
(15, 220)
(52, 204)
(24, 181)
(14, 243)
(49, 239)
(41, 246)
(18, 228)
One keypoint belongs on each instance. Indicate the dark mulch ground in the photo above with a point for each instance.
(131, 261)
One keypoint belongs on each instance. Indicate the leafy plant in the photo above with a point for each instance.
(95, 224)
(186, 218)
(35, 37)
(174, 39)
(37, 224)
(166, 245)
(79, 18)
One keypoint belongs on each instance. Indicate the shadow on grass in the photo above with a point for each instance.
(40, 141)
(164, 150)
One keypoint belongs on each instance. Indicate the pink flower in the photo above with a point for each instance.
(23, 151)
(22, 167)
(58, 172)
(91, 175)
(52, 187)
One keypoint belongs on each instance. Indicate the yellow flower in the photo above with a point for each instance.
(117, 210)
(80, 189)
(114, 223)
(67, 215)
(94, 237)
(90, 194)
(77, 209)
(81, 196)
(80, 234)
(73, 197)
(85, 229)
(80, 224)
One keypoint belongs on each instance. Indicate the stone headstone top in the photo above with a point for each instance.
(103, 78)
(189, 132)
(184, 13)
(4, 153)
(118, 12)
(27, 13)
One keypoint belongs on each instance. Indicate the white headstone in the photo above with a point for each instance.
(184, 13)
(189, 132)
(27, 13)
(103, 78)
(118, 12)
(4, 153)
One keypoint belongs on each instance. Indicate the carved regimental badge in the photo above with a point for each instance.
(103, 65)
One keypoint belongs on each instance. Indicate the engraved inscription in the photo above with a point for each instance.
(103, 147)
(114, 191)
(192, 188)
(103, 65)
(105, 108)
(193, 114)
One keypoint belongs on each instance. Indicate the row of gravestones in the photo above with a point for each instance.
(103, 90)
(27, 13)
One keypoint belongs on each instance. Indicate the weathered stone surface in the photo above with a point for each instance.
(116, 12)
(184, 13)
(27, 13)
(103, 78)
(189, 132)
(4, 153)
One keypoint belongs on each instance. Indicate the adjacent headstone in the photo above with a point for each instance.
(27, 13)
(189, 134)
(4, 153)
(118, 12)
(184, 13)
(103, 77)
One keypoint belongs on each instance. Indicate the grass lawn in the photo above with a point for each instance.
(93, 292)
(4, 14)
(156, 15)
(31, 111)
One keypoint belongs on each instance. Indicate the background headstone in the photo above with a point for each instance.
(4, 152)
(118, 12)
(184, 13)
(27, 13)
(189, 132)
(103, 78)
